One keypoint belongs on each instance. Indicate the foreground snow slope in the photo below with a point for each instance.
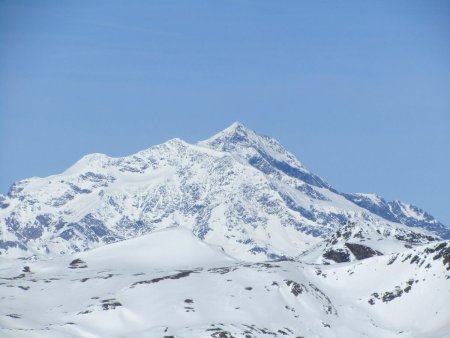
(239, 190)
(172, 284)
(171, 247)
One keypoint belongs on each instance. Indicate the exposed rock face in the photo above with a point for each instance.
(338, 256)
(77, 264)
(361, 251)
(441, 252)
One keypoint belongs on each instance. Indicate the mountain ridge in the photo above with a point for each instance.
(237, 189)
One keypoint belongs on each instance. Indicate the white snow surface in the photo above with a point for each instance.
(180, 249)
(126, 290)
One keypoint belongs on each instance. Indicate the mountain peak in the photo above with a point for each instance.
(235, 133)
(236, 127)
(94, 160)
(262, 152)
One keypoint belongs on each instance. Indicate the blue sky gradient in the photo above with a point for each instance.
(359, 91)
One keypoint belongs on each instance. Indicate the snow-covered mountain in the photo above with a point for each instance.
(238, 190)
(229, 237)
(171, 284)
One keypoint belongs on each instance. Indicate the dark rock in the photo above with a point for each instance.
(222, 334)
(10, 244)
(443, 252)
(181, 274)
(3, 203)
(296, 288)
(189, 309)
(222, 270)
(84, 312)
(388, 296)
(415, 259)
(110, 304)
(361, 251)
(392, 259)
(406, 258)
(77, 264)
(14, 315)
(338, 255)
(32, 232)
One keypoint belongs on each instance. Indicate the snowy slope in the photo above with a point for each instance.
(238, 190)
(171, 247)
(126, 290)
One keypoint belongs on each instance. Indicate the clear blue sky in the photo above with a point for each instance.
(359, 91)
